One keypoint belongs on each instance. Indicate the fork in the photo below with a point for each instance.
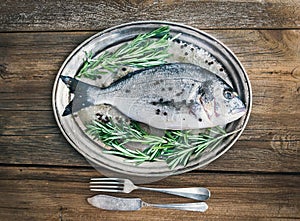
(126, 186)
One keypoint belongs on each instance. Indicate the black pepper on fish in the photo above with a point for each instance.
(171, 96)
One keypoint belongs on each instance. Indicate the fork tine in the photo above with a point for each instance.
(106, 187)
(106, 183)
(107, 190)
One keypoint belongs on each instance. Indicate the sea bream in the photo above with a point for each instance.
(175, 96)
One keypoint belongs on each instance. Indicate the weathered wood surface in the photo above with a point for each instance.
(31, 61)
(39, 140)
(60, 194)
(43, 178)
(96, 15)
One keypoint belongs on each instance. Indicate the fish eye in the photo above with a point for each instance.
(228, 94)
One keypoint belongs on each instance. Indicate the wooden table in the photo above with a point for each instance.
(44, 178)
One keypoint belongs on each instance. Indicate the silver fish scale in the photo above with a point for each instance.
(161, 73)
(161, 96)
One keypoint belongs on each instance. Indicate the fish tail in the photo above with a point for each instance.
(80, 91)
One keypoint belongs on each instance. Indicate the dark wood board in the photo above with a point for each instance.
(39, 139)
(42, 177)
(41, 193)
(96, 15)
(31, 62)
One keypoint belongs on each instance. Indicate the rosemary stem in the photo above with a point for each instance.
(175, 147)
(145, 50)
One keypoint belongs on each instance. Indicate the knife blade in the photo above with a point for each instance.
(107, 202)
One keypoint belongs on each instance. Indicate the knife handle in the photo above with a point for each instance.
(198, 207)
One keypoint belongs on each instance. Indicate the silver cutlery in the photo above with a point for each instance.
(126, 186)
(131, 204)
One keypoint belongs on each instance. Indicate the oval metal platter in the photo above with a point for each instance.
(72, 127)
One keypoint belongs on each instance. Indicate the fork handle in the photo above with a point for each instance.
(198, 207)
(197, 193)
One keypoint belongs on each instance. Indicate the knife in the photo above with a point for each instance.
(132, 204)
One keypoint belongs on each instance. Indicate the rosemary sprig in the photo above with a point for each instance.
(117, 135)
(196, 144)
(175, 147)
(146, 50)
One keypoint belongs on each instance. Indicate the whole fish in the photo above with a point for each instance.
(174, 96)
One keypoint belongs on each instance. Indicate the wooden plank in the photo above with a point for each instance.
(282, 152)
(27, 123)
(47, 149)
(32, 56)
(30, 193)
(43, 178)
(30, 61)
(87, 15)
(31, 123)
(33, 137)
(275, 93)
(36, 54)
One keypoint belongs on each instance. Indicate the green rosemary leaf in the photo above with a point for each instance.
(175, 147)
(121, 149)
(146, 50)
(173, 162)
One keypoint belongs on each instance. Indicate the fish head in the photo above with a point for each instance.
(220, 102)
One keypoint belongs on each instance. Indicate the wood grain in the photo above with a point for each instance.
(282, 152)
(97, 15)
(43, 178)
(31, 61)
(33, 193)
